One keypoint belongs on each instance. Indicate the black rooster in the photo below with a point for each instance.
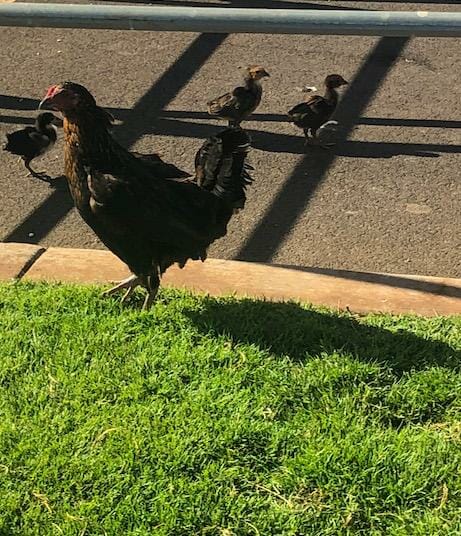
(30, 142)
(148, 221)
(317, 110)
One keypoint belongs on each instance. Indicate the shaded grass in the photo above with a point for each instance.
(224, 416)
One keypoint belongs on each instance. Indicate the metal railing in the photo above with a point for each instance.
(233, 20)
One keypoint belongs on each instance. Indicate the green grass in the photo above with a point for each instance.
(224, 417)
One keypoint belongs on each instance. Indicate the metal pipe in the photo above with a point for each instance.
(232, 20)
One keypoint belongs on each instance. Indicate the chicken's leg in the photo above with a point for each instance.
(233, 123)
(314, 141)
(38, 175)
(150, 298)
(317, 141)
(307, 141)
(152, 284)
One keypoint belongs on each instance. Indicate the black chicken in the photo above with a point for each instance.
(317, 110)
(161, 168)
(148, 221)
(243, 100)
(153, 160)
(30, 142)
(220, 160)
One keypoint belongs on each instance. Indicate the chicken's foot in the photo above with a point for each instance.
(315, 142)
(325, 146)
(130, 283)
(315, 135)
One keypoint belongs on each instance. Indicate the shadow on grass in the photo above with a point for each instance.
(286, 329)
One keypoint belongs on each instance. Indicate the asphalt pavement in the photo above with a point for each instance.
(386, 198)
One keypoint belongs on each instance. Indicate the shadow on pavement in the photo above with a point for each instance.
(408, 282)
(293, 198)
(56, 206)
(294, 144)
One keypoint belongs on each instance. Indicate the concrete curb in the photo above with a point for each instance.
(360, 292)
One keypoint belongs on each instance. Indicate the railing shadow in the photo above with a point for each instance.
(9, 102)
(291, 201)
(56, 206)
(294, 144)
(295, 195)
(46, 216)
(283, 118)
(408, 282)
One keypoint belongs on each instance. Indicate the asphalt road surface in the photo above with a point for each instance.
(386, 198)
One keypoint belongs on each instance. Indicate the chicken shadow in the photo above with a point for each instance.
(288, 330)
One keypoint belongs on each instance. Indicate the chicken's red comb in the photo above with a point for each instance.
(51, 91)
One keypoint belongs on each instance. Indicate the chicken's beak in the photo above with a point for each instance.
(266, 74)
(345, 83)
(45, 104)
(49, 100)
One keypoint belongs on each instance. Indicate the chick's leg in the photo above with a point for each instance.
(316, 141)
(38, 175)
(308, 139)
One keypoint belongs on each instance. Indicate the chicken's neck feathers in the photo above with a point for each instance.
(48, 130)
(331, 95)
(253, 85)
(89, 145)
(88, 139)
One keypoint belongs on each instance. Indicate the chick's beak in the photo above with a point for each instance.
(266, 74)
(345, 83)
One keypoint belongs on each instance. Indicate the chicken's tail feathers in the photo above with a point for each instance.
(221, 168)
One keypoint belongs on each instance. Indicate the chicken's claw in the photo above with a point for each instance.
(130, 283)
